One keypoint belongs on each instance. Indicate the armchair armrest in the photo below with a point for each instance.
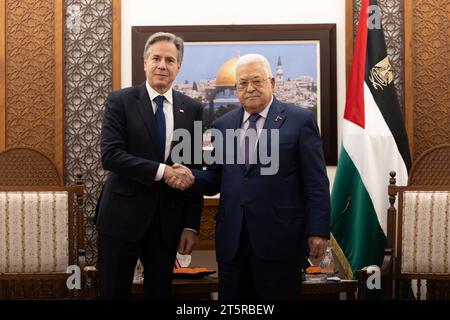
(90, 275)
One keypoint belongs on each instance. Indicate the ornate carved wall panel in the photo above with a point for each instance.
(392, 21)
(431, 73)
(30, 75)
(88, 69)
(206, 238)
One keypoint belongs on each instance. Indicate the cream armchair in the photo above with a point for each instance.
(38, 241)
(41, 230)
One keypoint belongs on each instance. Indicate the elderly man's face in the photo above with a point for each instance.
(254, 87)
(161, 65)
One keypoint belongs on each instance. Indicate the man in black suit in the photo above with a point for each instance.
(138, 215)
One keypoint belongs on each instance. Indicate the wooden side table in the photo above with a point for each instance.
(203, 289)
(344, 290)
(185, 288)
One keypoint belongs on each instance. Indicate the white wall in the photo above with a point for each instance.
(205, 12)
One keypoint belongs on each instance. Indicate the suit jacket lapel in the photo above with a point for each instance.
(146, 111)
(237, 119)
(178, 110)
(178, 116)
(275, 116)
(236, 123)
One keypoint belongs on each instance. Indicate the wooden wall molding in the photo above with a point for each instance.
(116, 56)
(59, 87)
(2, 75)
(408, 74)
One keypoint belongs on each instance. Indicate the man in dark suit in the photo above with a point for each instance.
(138, 215)
(266, 222)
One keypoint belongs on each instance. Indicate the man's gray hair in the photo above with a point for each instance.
(165, 36)
(254, 58)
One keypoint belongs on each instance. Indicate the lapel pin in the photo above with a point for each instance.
(278, 118)
(181, 110)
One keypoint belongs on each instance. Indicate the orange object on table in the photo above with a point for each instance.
(190, 270)
(313, 269)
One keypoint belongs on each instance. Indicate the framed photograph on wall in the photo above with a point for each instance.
(302, 56)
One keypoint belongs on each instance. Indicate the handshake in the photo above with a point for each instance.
(178, 176)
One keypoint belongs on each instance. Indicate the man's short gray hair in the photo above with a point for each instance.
(254, 58)
(165, 36)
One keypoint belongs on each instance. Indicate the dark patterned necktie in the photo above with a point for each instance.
(250, 138)
(161, 124)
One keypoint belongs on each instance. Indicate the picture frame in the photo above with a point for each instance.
(282, 38)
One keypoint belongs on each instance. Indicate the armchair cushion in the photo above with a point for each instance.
(425, 232)
(34, 228)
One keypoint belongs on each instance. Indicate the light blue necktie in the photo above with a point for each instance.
(161, 124)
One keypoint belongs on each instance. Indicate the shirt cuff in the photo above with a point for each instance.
(160, 172)
(193, 230)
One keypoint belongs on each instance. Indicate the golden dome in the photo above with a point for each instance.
(226, 75)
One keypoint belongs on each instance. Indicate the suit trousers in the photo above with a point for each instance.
(117, 259)
(250, 277)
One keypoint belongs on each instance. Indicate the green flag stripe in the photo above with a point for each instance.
(354, 223)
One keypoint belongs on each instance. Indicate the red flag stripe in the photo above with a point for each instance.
(354, 107)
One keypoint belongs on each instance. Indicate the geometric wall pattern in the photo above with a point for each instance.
(88, 79)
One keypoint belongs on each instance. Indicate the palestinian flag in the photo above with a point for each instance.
(374, 143)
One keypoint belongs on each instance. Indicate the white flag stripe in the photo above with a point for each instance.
(374, 153)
